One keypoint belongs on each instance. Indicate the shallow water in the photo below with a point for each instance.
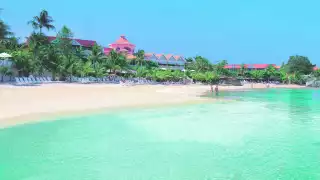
(262, 135)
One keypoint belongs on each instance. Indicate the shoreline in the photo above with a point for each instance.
(24, 105)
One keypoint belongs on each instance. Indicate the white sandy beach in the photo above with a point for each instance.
(27, 104)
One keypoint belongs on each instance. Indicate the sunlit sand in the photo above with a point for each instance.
(26, 104)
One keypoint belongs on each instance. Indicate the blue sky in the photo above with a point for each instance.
(246, 31)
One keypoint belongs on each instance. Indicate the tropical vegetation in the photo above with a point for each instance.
(36, 56)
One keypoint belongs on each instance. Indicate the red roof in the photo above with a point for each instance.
(232, 66)
(86, 43)
(260, 66)
(249, 66)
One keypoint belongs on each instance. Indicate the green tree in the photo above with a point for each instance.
(42, 21)
(96, 55)
(70, 65)
(23, 62)
(257, 74)
(271, 73)
(85, 68)
(116, 61)
(4, 31)
(220, 70)
(4, 71)
(299, 64)
(97, 58)
(243, 69)
(52, 59)
(201, 64)
(139, 57)
(10, 44)
(316, 73)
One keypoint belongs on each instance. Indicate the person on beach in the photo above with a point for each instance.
(211, 88)
(216, 89)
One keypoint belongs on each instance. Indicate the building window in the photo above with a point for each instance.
(128, 49)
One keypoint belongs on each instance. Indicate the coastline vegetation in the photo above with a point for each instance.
(37, 55)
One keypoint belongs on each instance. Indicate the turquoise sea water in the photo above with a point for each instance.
(262, 135)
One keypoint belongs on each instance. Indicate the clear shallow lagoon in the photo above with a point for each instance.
(263, 135)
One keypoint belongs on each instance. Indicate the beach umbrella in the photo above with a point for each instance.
(5, 55)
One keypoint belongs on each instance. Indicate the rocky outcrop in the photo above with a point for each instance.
(313, 82)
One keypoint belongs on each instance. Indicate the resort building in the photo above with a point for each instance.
(121, 45)
(250, 66)
(255, 66)
(86, 44)
(76, 43)
(166, 61)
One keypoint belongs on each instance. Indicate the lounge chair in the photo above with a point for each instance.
(49, 79)
(43, 79)
(23, 81)
(30, 81)
(34, 80)
(17, 81)
(38, 80)
(26, 80)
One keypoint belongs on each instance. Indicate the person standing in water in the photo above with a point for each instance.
(216, 89)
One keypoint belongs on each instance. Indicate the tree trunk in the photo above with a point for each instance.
(53, 76)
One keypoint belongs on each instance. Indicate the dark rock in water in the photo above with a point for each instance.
(233, 82)
(313, 83)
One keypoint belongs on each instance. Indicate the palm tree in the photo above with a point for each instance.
(140, 57)
(51, 59)
(116, 61)
(243, 69)
(4, 35)
(97, 58)
(4, 30)
(23, 62)
(85, 68)
(201, 64)
(42, 21)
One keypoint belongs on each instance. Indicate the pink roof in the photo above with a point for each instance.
(277, 67)
(168, 56)
(130, 56)
(122, 40)
(315, 68)
(158, 55)
(86, 43)
(177, 57)
(147, 55)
